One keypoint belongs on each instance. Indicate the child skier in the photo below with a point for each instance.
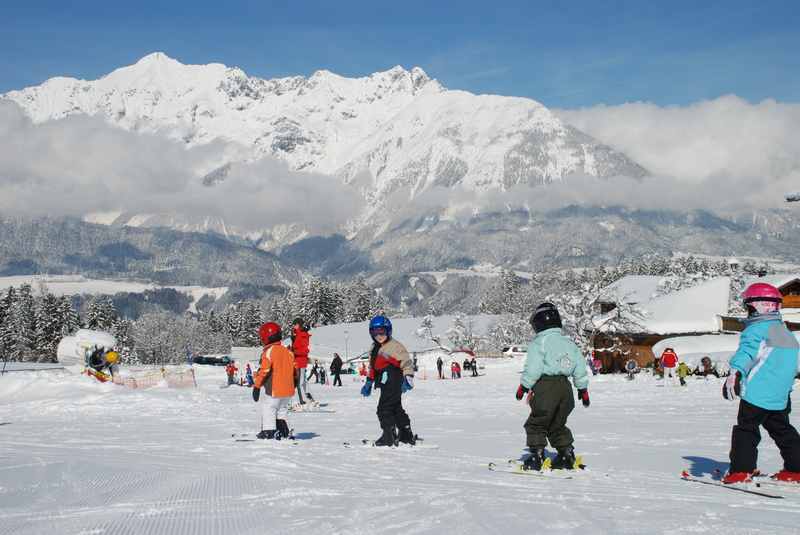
(248, 374)
(763, 370)
(683, 371)
(668, 362)
(391, 370)
(277, 374)
(552, 357)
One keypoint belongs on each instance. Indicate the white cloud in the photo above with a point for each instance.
(723, 138)
(81, 164)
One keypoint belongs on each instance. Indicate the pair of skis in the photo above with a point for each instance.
(367, 443)
(516, 467)
(758, 481)
(249, 437)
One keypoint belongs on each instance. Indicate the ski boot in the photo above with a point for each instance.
(283, 429)
(535, 460)
(388, 438)
(787, 476)
(309, 396)
(407, 436)
(565, 460)
(737, 477)
(264, 434)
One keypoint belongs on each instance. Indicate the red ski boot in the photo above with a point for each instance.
(787, 476)
(737, 477)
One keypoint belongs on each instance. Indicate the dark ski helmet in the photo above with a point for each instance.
(545, 317)
(378, 324)
(270, 333)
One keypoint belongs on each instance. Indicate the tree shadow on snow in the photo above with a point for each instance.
(703, 465)
(305, 436)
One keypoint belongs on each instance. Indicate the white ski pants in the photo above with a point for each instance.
(302, 384)
(669, 376)
(273, 409)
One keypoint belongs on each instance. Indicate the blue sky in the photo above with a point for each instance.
(564, 54)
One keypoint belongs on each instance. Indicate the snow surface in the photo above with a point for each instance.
(77, 456)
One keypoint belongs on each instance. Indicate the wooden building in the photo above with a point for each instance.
(697, 311)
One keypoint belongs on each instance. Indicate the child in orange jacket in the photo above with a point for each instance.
(277, 374)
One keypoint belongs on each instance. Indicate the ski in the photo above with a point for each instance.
(770, 481)
(514, 466)
(686, 477)
(249, 437)
(367, 443)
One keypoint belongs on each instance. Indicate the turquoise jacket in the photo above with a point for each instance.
(552, 353)
(767, 357)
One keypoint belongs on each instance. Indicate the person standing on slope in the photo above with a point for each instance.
(277, 374)
(336, 369)
(763, 370)
(668, 362)
(392, 371)
(552, 358)
(439, 364)
(301, 340)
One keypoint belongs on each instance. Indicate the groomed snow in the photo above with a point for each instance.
(77, 456)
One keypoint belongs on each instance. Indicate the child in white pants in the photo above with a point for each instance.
(274, 413)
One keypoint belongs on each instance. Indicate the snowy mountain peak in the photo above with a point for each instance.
(157, 58)
(399, 126)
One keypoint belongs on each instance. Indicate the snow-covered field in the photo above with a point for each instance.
(77, 456)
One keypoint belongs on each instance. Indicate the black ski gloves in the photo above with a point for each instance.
(583, 395)
(256, 394)
(521, 392)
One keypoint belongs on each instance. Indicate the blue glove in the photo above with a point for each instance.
(408, 384)
(366, 390)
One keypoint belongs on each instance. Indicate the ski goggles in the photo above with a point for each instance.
(378, 331)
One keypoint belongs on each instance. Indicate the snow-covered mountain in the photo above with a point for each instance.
(400, 125)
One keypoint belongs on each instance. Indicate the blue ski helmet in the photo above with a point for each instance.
(380, 322)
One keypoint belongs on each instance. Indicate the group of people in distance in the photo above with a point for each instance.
(455, 367)
(763, 371)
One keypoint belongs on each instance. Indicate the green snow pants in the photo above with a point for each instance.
(551, 404)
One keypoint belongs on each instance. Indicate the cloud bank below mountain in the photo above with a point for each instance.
(81, 164)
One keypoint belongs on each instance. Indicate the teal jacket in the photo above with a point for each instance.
(767, 357)
(552, 353)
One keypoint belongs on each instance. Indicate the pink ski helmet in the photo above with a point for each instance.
(762, 298)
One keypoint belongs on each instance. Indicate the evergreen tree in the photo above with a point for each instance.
(20, 330)
(122, 329)
(47, 326)
(358, 301)
(101, 313)
(68, 319)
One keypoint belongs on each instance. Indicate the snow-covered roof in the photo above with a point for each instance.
(691, 310)
(778, 279)
(631, 289)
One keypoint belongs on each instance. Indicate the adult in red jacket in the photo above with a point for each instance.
(669, 360)
(300, 342)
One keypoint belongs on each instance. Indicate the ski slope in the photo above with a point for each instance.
(77, 456)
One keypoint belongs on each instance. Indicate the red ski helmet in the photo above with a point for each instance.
(270, 333)
(762, 298)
